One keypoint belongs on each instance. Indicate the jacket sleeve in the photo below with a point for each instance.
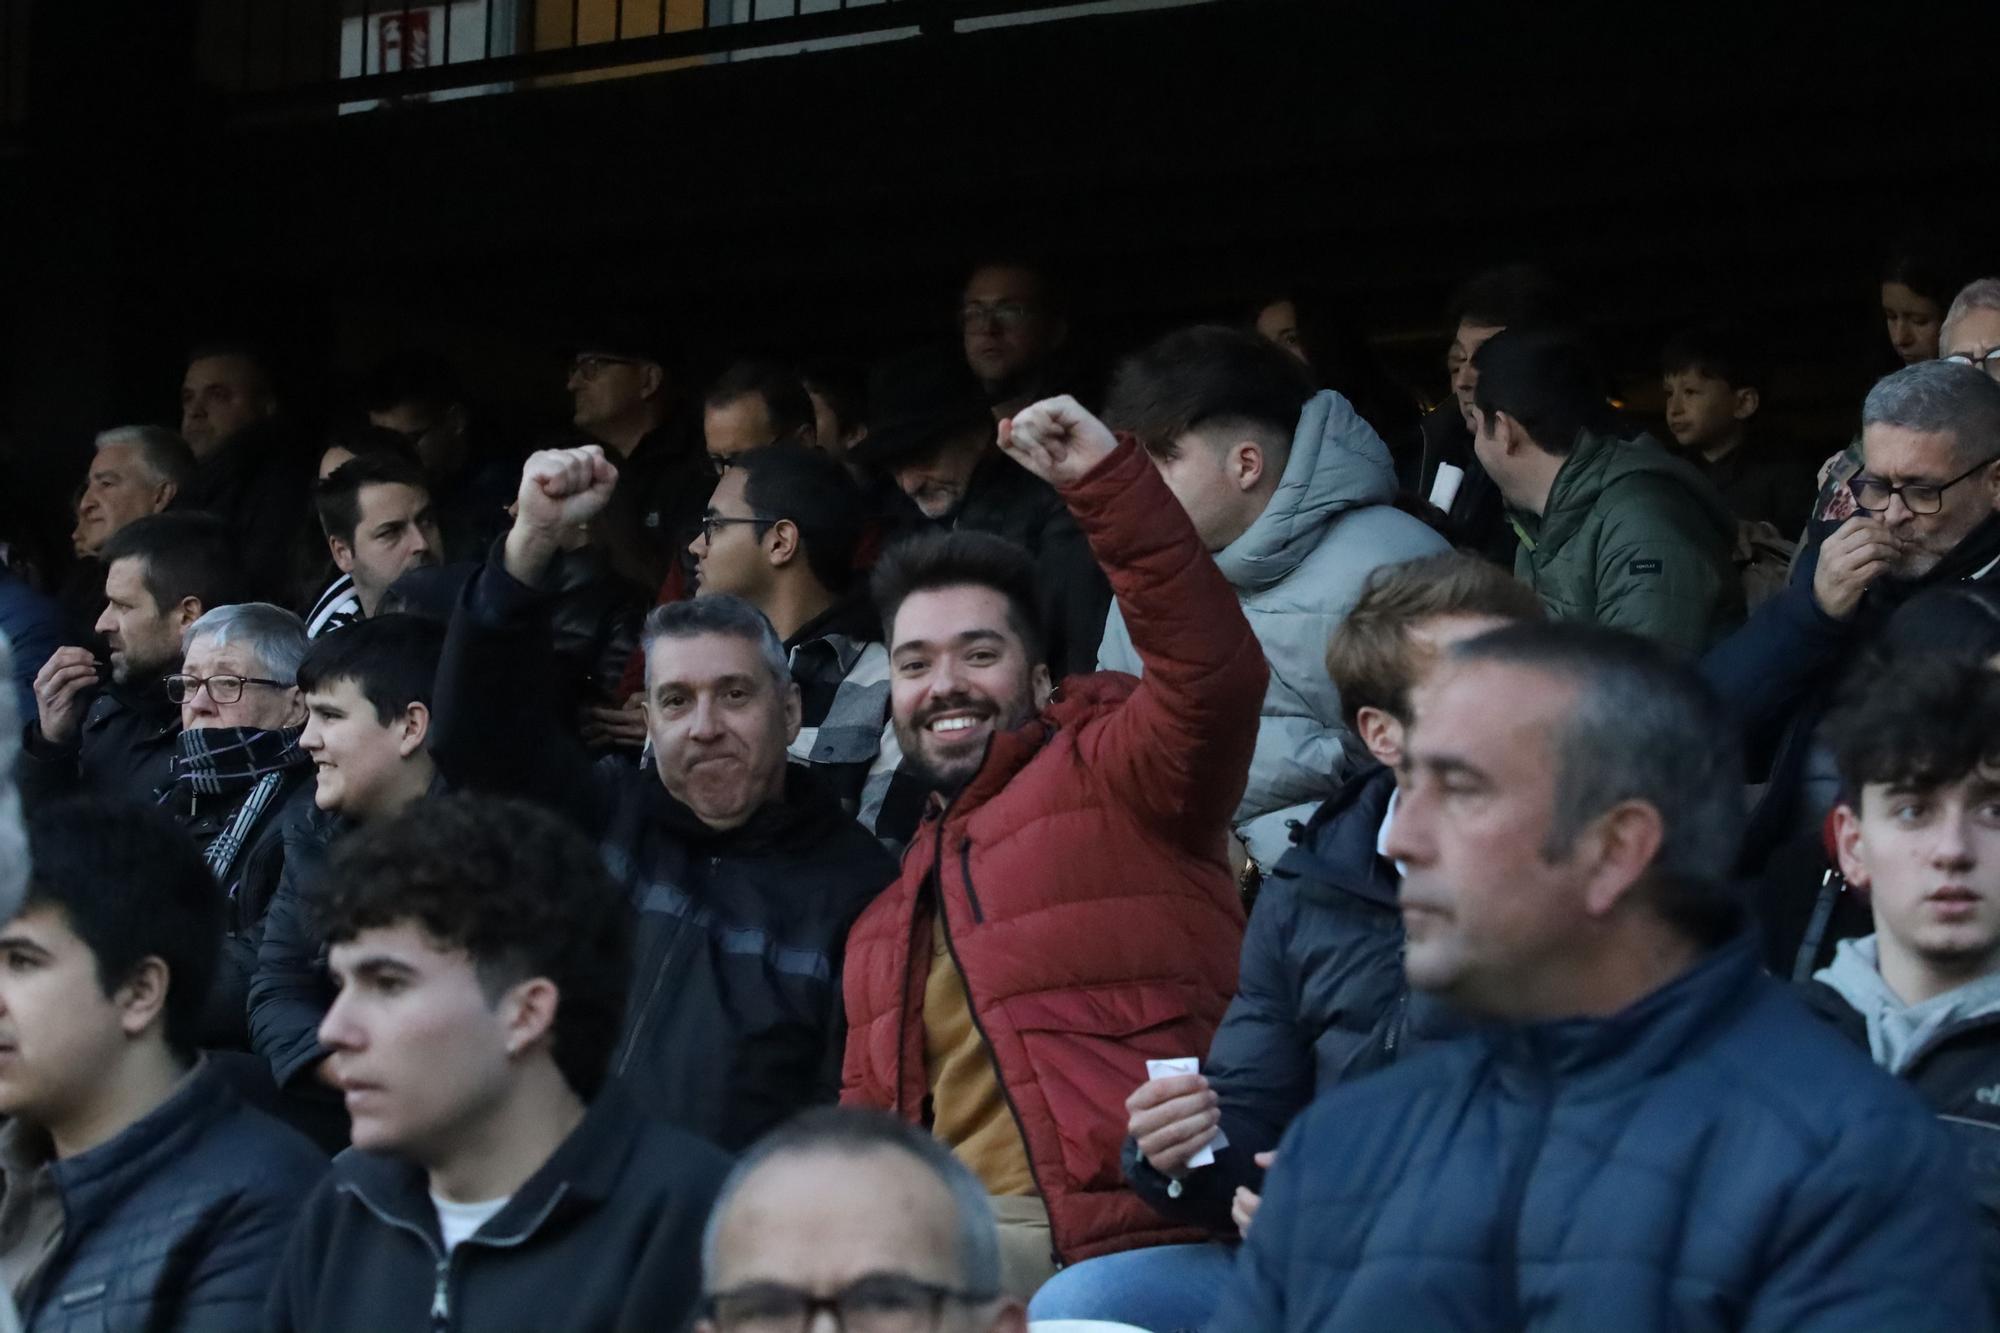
(1662, 572)
(497, 725)
(662, 1292)
(1881, 1235)
(1262, 1069)
(46, 771)
(1768, 668)
(289, 1296)
(229, 1284)
(289, 993)
(1178, 751)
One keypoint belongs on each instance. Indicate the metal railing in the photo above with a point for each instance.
(306, 56)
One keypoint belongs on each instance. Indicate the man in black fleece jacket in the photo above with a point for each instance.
(744, 872)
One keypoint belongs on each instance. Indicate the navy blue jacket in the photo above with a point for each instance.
(1712, 1157)
(33, 625)
(1320, 998)
(178, 1221)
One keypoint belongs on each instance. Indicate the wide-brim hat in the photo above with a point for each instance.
(916, 400)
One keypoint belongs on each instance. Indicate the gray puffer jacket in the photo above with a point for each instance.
(1298, 570)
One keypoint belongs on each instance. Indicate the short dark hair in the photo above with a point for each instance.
(131, 886)
(422, 378)
(961, 558)
(844, 385)
(789, 480)
(338, 498)
(778, 388)
(1719, 349)
(1545, 381)
(364, 437)
(519, 890)
(1643, 727)
(183, 555)
(392, 660)
(1931, 723)
(1369, 656)
(1209, 375)
(1055, 296)
(1510, 296)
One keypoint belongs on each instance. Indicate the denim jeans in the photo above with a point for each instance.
(1166, 1289)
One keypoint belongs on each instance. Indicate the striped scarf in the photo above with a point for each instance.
(221, 761)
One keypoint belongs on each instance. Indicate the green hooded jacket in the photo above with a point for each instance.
(1636, 539)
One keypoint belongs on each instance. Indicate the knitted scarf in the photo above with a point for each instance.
(223, 761)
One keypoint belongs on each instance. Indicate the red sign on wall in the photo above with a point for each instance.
(404, 41)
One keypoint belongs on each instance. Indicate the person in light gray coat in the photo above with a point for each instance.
(1291, 492)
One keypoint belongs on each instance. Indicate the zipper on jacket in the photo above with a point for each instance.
(1006, 1093)
(965, 873)
(1398, 1018)
(441, 1297)
(658, 962)
(1515, 1202)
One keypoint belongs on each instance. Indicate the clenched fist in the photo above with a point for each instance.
(561, 490)
(1057, 440)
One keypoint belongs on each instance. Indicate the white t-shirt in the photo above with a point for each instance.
(456, 1221)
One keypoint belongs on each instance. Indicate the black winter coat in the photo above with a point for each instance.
(735, 1020)
(178, 1222)
(605, 1236)
(251, 884)
(1958, 1074)
(290, 991)
(122, 752)
(259, 483)
(1320, 998)
(1477, 518)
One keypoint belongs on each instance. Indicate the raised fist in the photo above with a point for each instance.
(1057, 440)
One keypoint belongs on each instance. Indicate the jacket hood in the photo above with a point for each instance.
(1338, 463)
(1900, 1034)
(1603, 462)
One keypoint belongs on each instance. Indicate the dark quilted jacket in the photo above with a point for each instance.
(1711, 1157)
(176, 1223)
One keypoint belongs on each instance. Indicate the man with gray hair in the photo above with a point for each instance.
(860, 1215)
(1970, 335)
(136, 471)
(744, 870)
(1925, 515)
(239, 777)
(1648, 1132)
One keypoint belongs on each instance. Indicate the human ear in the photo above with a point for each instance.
(1850, 849)
(1381, 733)
(1747, 403)
(416, 727)
(343, 555)
(142, 996)
(781, 542)
(1246, 465)
(1620, 847)
(1043, 686)
(794, 713)
(531, 1013)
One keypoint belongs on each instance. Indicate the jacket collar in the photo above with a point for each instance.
(583, 1171)
(93, 1183)
(1973, 558)
(147, 702)
(801, 819)
(851, 618)
(1336, 853)
(1605, 1055)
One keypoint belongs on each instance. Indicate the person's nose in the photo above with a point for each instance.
(705, 720)
(1953, 848)
(698, 548)
(337, 1031)
(309, 738)
(947, 677)
(106, 623)
(1409, 831)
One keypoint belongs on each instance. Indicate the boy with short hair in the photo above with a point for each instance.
(367, 690)
(1715, 388)
(1918, 830)
(136, 1189)
(497, 1179)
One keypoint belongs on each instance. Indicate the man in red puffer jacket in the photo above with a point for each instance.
(1066, 910)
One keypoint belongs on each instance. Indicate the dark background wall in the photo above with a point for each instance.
(1670, 163)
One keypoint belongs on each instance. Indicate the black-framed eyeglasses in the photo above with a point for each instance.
(1921, 497)
(710, 522)
(1001, 314)
(1988, 360)
(589, 367)
(221, 689)
(877, 1303)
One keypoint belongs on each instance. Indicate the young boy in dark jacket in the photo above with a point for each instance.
(497, 1182)
(1918, 745)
